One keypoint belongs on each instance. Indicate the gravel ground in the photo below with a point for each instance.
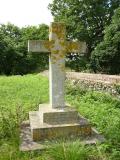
(91, 77)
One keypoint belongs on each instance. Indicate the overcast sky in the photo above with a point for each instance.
(25, 12)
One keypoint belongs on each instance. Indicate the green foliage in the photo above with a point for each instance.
(106, 57)
(14, 57)
(9, 38)
(86, 19)
(77, 63)
(68, 151)
(103, 111)
(20, 94)
(74, 150)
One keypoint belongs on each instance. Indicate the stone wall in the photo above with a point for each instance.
(99, 82)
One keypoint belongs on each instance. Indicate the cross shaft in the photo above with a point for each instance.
(58, 47)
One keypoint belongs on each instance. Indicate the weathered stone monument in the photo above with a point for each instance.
(57, 46)
(56, 120)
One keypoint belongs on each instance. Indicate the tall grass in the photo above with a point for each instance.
(21, 94)
(18, 95)
(68, 151)
(103, 111)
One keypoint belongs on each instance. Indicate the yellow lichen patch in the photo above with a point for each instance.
(55, 51)
(47, 45)
(61, 56)
(58, 29)
(54, 58)
(57, 57)
(62, 43)
(60, 35)
(58, 45)
(73, 47)
(52, 43)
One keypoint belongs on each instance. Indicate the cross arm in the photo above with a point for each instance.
(76, 47)
(38, 46)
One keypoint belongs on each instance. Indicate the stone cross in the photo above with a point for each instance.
(57, 46)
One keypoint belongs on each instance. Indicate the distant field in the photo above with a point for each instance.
(21, 94)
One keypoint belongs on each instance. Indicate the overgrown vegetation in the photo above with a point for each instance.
(106, 57)
(103, 110)
(20, 94)
(77, 63)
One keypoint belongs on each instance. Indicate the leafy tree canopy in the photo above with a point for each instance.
(14, 57)
(106, 57)
(86, 19)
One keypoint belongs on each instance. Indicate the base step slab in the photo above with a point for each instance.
(42, 131)
(57, 115)
(27, 143)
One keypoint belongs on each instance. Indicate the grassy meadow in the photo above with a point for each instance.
(21, 94)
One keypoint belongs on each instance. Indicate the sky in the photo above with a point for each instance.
(25, 12)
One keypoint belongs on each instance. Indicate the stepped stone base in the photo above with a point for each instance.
(27, 143)
(49, 124)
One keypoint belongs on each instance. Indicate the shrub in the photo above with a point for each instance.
(14, 56)
(106, 57)
(77, 62)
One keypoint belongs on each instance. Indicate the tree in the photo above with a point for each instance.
(106, 56)
(34, 61)
(14, 57)
(86, 19)
(9, 39)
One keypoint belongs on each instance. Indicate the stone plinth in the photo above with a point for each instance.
(55, 120)
(47, 126)
(48, 123)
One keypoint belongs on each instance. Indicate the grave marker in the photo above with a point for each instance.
(56, 119)
(57, 47)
